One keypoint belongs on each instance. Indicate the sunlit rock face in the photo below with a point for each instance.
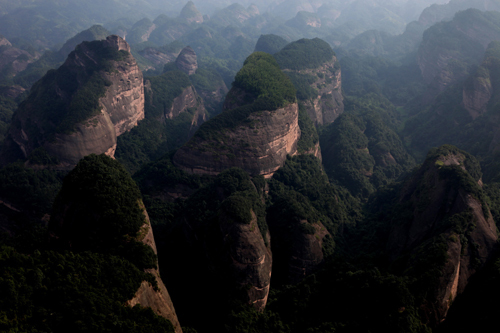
(103, 69)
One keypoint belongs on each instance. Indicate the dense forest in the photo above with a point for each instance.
(293, 166)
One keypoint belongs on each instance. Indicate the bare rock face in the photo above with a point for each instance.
(476, 96)
(443, 63)
(158, 300)
(187, 61)
(259, 149)
(250, 259)
(319, 69)
(248, 134)
(157, 57)
(14, 60)
(55, 116)
(329, 103)
(191, 14)
(449, 213)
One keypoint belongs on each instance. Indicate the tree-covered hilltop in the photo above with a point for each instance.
(79, 274)
(264, 86)
(304, 54)
(99, 209)
(270, 43)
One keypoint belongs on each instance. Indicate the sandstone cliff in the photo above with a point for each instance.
(227, 229)
(187, 61)
(317, 76)
(248, 134)
(158, 300)
(99, 209)
(450, 233)
(81, 108)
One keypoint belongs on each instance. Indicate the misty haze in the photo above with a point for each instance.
(287, 166)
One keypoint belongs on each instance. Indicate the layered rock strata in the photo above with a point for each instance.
(119, 107)
(259, 146)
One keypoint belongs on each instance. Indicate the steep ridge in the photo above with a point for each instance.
(464, 115)
(13, 60)
(227, 229)
(444, 232)
(257, 129)
(80, 108)
(190, 13)
(99, 209)
(315, 72)
(449, 48)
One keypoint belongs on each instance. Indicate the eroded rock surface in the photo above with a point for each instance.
(65, 126)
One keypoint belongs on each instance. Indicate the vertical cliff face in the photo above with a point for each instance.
(187, 61)
(158, 300)
(257, 129)
(313, 68)
(250, 260)
(80, 108)
(450, 231)
(99, 209)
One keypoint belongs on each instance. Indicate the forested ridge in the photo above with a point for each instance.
(383, 218)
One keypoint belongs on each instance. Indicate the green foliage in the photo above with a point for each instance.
(361, 149)
(304, 85)
(270, 89)
(99, 209)
(156, 135)
(308, 135)
(65, 98)
(383, 300)
(63, 292)
(164, 89)
(31, 190)
(7, 108)
(270, 44)
(304, 54)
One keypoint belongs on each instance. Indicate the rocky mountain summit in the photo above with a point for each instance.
(448, 225)
(313, 68)
(80, 108)
(257, 129)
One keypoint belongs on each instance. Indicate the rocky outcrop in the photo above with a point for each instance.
(322, 73)
(450, 222)
(324, 108)
(259, 146)
(158, 57)
(187, 61)
(158, 300)
(247, 134)
(190, 14)
(14, 60)
(448, 48)
(476, 96)
(250, 259)
(55, 117)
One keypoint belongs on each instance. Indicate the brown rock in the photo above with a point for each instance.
(259, 146)
(158, 300)
(187, 61)
(122, 106)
